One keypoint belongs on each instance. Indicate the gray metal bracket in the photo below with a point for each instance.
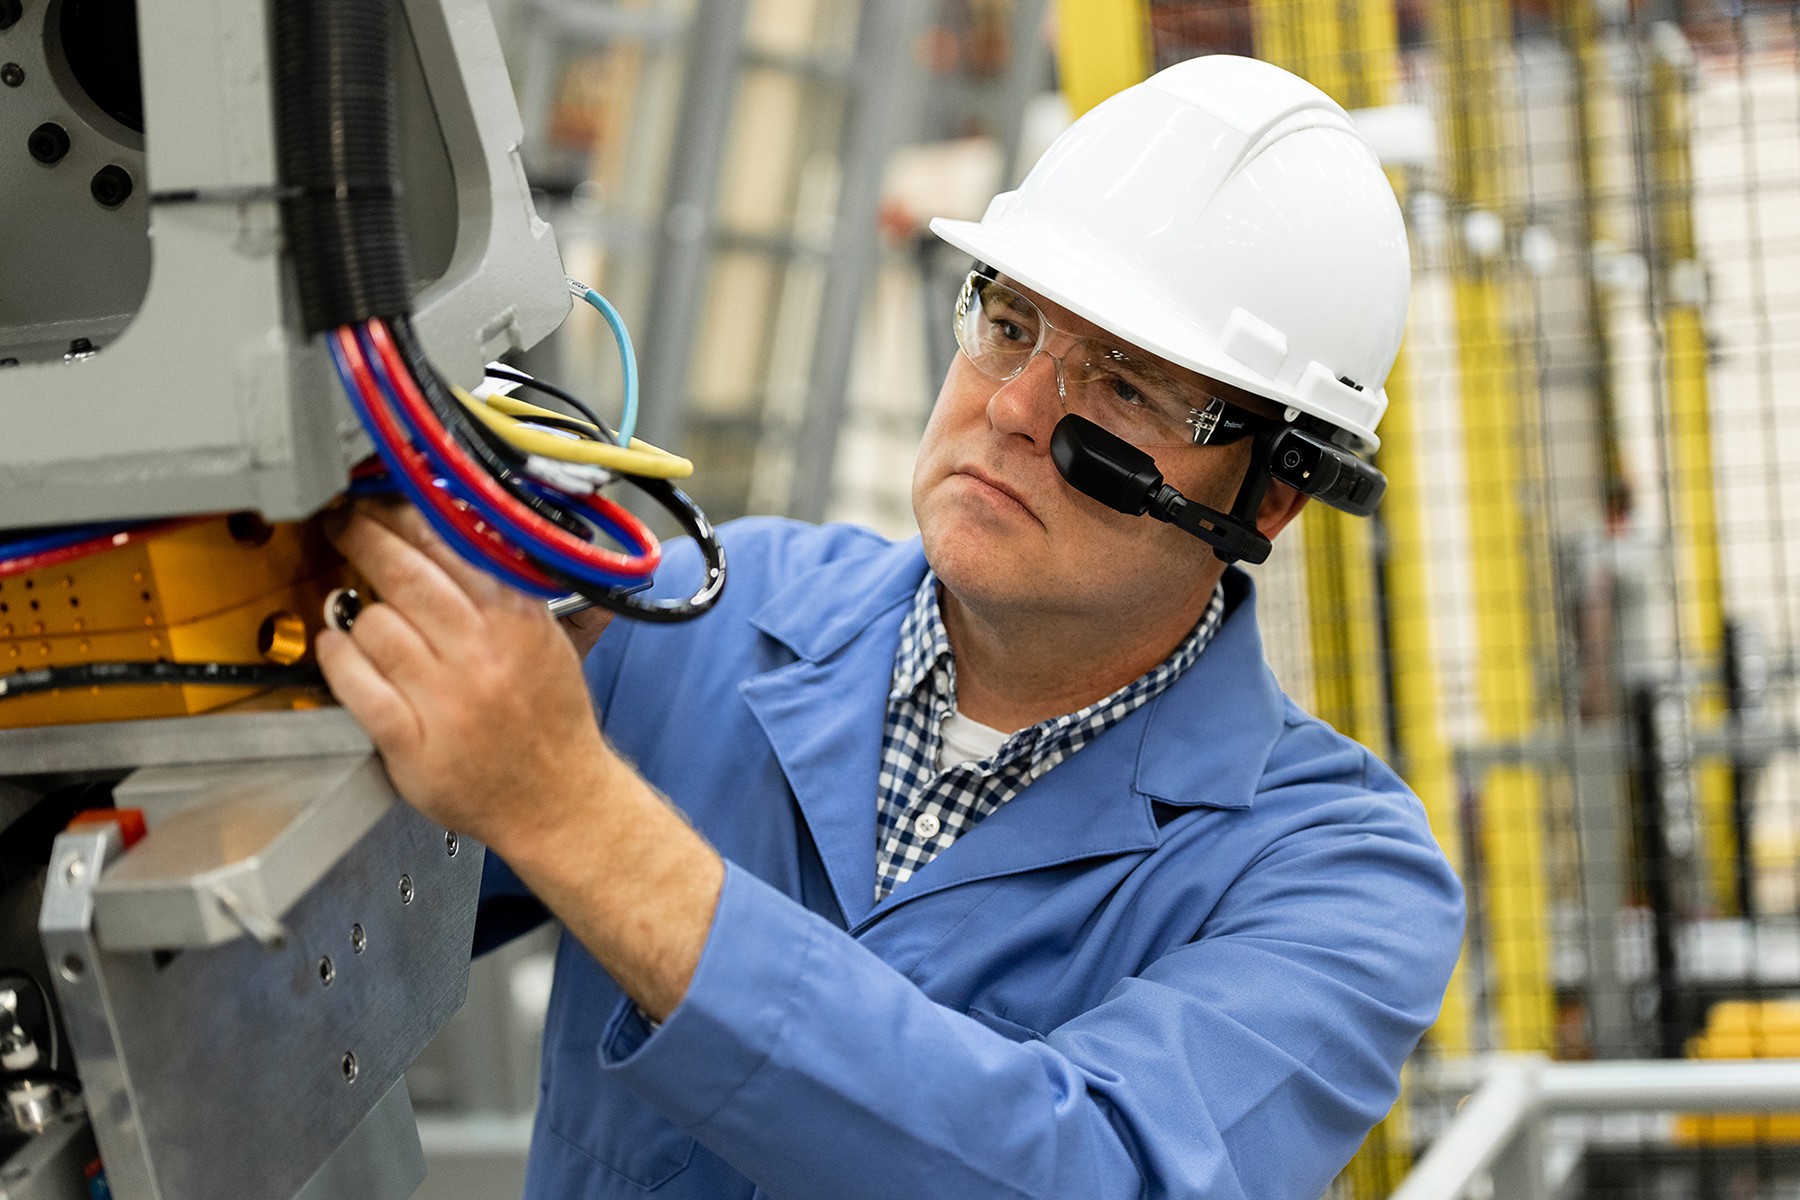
(193, 1047)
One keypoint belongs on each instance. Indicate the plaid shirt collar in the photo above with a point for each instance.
(925, 661)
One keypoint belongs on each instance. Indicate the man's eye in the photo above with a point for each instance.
(1010, 329)
(1126, 392)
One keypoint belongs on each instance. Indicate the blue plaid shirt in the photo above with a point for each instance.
(921, 811)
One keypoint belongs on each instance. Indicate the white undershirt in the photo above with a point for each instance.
(963, 740)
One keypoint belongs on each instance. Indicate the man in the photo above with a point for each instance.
(1013, 875)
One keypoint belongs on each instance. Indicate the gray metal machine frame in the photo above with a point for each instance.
(209, 401)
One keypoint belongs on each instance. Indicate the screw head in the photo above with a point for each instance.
(111, 186)
(359, 941)
(406, 889)
(327, 971)
(451, 844)
(48, 143)
(12, 75)
(350, 1067)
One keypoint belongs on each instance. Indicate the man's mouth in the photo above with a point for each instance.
(1005, 490)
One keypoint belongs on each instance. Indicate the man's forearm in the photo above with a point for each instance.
(627, 875)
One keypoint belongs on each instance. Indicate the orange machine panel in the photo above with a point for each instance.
(233, 589)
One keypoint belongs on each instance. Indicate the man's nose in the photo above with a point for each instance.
(1033, 401)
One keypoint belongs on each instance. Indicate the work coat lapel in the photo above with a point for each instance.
(1203, 743)
(824, 713)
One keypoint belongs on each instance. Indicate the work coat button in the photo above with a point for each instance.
(926, 825)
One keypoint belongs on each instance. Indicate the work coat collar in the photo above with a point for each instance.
(1202, 743)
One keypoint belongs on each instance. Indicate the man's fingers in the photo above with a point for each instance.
(584, 628)
(395, 647)
(406, 576)
(410, 524)
(378, 706)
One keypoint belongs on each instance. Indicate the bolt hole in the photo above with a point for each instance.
(73, 968)
(406, 889)
(349, 1067)
(359, 941)
(282, 639)
(327, 971)
(451, 843)
(249, 529)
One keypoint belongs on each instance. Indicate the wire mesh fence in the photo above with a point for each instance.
(1582, 651)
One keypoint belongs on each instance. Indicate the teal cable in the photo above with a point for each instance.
(627, 355)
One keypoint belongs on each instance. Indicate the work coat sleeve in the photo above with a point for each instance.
(1250, 1062)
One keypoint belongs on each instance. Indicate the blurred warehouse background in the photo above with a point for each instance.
(1572, 625)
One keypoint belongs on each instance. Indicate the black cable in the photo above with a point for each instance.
(113, 674)
(550, 389)
(45, 1075)
(566, 424)
(337, 162)
(667, 612)
(497, 456)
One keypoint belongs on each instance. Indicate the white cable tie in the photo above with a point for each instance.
(578, 479)
(490, 386)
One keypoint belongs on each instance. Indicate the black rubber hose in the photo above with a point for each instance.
(127, 674)
(336, 155)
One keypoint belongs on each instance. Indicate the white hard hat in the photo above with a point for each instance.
(1225, 215)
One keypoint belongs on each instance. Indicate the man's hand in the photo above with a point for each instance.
(474, 696)
(469, 688)
(585, 627)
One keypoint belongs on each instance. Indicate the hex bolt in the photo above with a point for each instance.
(111, 186)
(451, 844)
(406, 889)
(48, 143)
(10, 12)
(12, 75)
(327, 971)
(349, 1067)
(359, 941)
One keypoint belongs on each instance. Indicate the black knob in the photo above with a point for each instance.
(48, 143)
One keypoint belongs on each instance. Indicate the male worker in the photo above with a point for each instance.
(996, 864)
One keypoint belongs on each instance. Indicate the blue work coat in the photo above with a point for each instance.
(1186, 962)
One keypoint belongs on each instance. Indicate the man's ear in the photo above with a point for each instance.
(1281, 503)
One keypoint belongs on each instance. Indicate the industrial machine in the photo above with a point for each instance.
(223, 938)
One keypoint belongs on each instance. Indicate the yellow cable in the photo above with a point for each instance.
(641, 458)
(512, 406)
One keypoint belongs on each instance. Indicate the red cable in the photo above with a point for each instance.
(94, 545)
(466, 521)
(472, 476)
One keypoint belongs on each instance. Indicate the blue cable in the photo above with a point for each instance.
(391, 456)
(71, 536)
(534, 545)
(628, 356)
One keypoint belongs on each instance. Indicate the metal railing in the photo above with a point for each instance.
(1498, 1144)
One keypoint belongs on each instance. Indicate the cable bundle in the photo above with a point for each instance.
(512, 487)
(505, 485)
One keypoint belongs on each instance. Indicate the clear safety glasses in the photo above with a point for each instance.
(1122, 390)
